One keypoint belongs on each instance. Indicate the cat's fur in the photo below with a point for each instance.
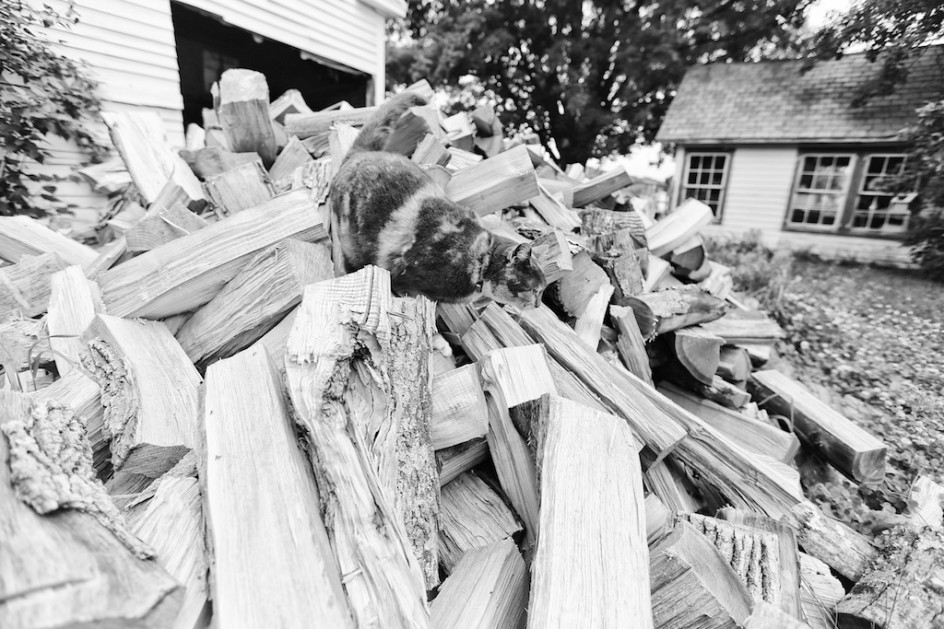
(389, 213)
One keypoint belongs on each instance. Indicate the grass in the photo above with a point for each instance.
(869, 342)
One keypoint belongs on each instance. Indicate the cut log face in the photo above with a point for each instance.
(820, 591)
(290, 571)
(495, 183)
(459, 412)
(242, 104)
(588, 464)
(67, 569)
(188, 272)
(487, 589)
(25, 286)
(73, 304)
(149, 390)
(734, 365)
(342, 410)
(240, 188)
(678, 226)
(601, 186)
(473, 516)
(851, 449)
(165, 225)
(699, 352)
(24, 236)
(269, 286)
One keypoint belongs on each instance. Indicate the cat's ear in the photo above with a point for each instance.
(522, 252)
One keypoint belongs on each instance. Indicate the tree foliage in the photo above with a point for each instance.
(924, 171)
(590, 77)
(41, 92)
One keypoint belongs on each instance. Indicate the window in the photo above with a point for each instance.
(820, 190)
(706, 175)
(873, 209)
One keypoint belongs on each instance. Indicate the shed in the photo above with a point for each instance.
(773, 148)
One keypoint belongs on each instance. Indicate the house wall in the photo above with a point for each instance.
(759, 186)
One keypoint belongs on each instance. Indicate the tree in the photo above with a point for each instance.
(41, 92)
(924, 171)
(592, 77)
(894, 31)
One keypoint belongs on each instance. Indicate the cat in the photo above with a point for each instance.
(388, 212)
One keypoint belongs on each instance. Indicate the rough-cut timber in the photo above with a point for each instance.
(272, 557)
(601, 186)
(459, 412)
(588, 464)
(25, 286)
(680, 225)
(251, 303)
(849, 448)
(487, 590)
(473, 515)
(699, 352)
(495, 183)
(242, 104)
(333, 391)
(66, 569)
(163, 226)
(671, 309)
(24, 236)
(73, 304)
(149, 390)
(188, 272)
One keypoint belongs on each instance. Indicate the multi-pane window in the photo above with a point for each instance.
(820, 190)
(873, 209)
(706, 175)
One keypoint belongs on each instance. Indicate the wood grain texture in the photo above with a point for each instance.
(454, 461)
(25, 286)
(272, 557)
(834, 543)
(161, 227)
(679, 225)
(241, 100)
(240, 188)
(458, 412)
(630, 344)
(601, 186)
(74, 301)
(495, 183)
(554, 211)
(699, 352)
(24, 236)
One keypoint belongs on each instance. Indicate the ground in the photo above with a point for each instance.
(870, 342)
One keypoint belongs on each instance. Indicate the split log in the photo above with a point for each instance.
(622, 262)
(210, 161)
(630, 344)
(409, 130)
(562, 188)
(588, 463)
(718, 282)
(108, 257)
(73, 304)
(83, 396)
(764, 615)
(460, 160)
(473, 516)
(460, 130)
(750, 434)
(513, 376)
(585, 294)
(457, 318)
(241, 100)
(289, 572)
(699, 352)
(171, 522)
(692, 584)
(488, 589)
(678, 226)
(188, 272)
(489, 130)
(353, 412)
(66, 569)
(290, 159)
(689, 259)
(667, 481)
(157, 171)
(852, 450)
(440, 363)
(160, 228)
(820, 591)
(24, 344)
(838, 546)
(739, 326)
(904, 588)
(459, 412)
(149, 390)
(290, 102)
(319, 123)
(454, 461)
(658, 519)
(552, 252)
(734, 365)
(668, 310)
(25, 286)
(601, 186)
(24, 236)
(239, 188)
(588, 324)
(657, 271)
(431, 150)
(553, 210)
(495, 183)
(255, 300)
(722, 392)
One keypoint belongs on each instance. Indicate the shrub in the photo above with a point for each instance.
(926, 239)
(755, 268)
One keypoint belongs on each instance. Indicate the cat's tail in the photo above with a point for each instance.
(379, 127)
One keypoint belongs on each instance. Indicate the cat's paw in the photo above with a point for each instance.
(440, 344)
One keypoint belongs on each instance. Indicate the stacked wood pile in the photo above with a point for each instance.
(204, 423)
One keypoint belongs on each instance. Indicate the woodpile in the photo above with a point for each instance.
(231, 432)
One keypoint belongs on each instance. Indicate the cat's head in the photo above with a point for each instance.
(515, 279)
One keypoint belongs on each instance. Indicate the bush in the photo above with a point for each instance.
(755, 268)
(926, 239)
(41, 92)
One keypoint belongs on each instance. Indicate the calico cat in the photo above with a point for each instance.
(389, 213)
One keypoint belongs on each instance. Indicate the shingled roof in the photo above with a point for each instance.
(773, 102)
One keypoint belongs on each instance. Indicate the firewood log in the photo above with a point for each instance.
(668, 310)
(604, 228)
(658, 270)
(601, 186)
(239, 188)
(852, 450)
(589, 323)
(459, 412)
(24, 236)
(631, 346)
(454, 461)
(699, 352)
(290, 159)
(290, 102)
(926, 502)
(820, 591)
(409, 130)
(363, 461)
(473, 516)
(765, 615)
(734, 365)
(488, 589)
(25, 286)
(149, 390)
(73, 304)
(692, 584)
(690, 260)
(24, 343)
(108, 257)
(737, 327)
(578, 287)
(624, 261)
(495, 183)
(431, 150)
(251, 303)
(589, 464)
(658, 519)
(208, 161)
(457, 318)
(678, 226)
(164, 225)
(667, 481)
(241, 100)
(460, 159)
(836, 544)
(555, 212)
(553, 254)
(188, 272)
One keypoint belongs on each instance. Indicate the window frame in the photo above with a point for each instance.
(842, 194)
(859, 192)
(722, 188)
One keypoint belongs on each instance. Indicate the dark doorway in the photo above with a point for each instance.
(206, 47)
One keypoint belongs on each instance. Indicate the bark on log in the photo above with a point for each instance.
(668, 310)
(838, 546)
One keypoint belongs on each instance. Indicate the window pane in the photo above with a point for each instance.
(806, 181)
(696, 161)
(797, 216)
(809, 164)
